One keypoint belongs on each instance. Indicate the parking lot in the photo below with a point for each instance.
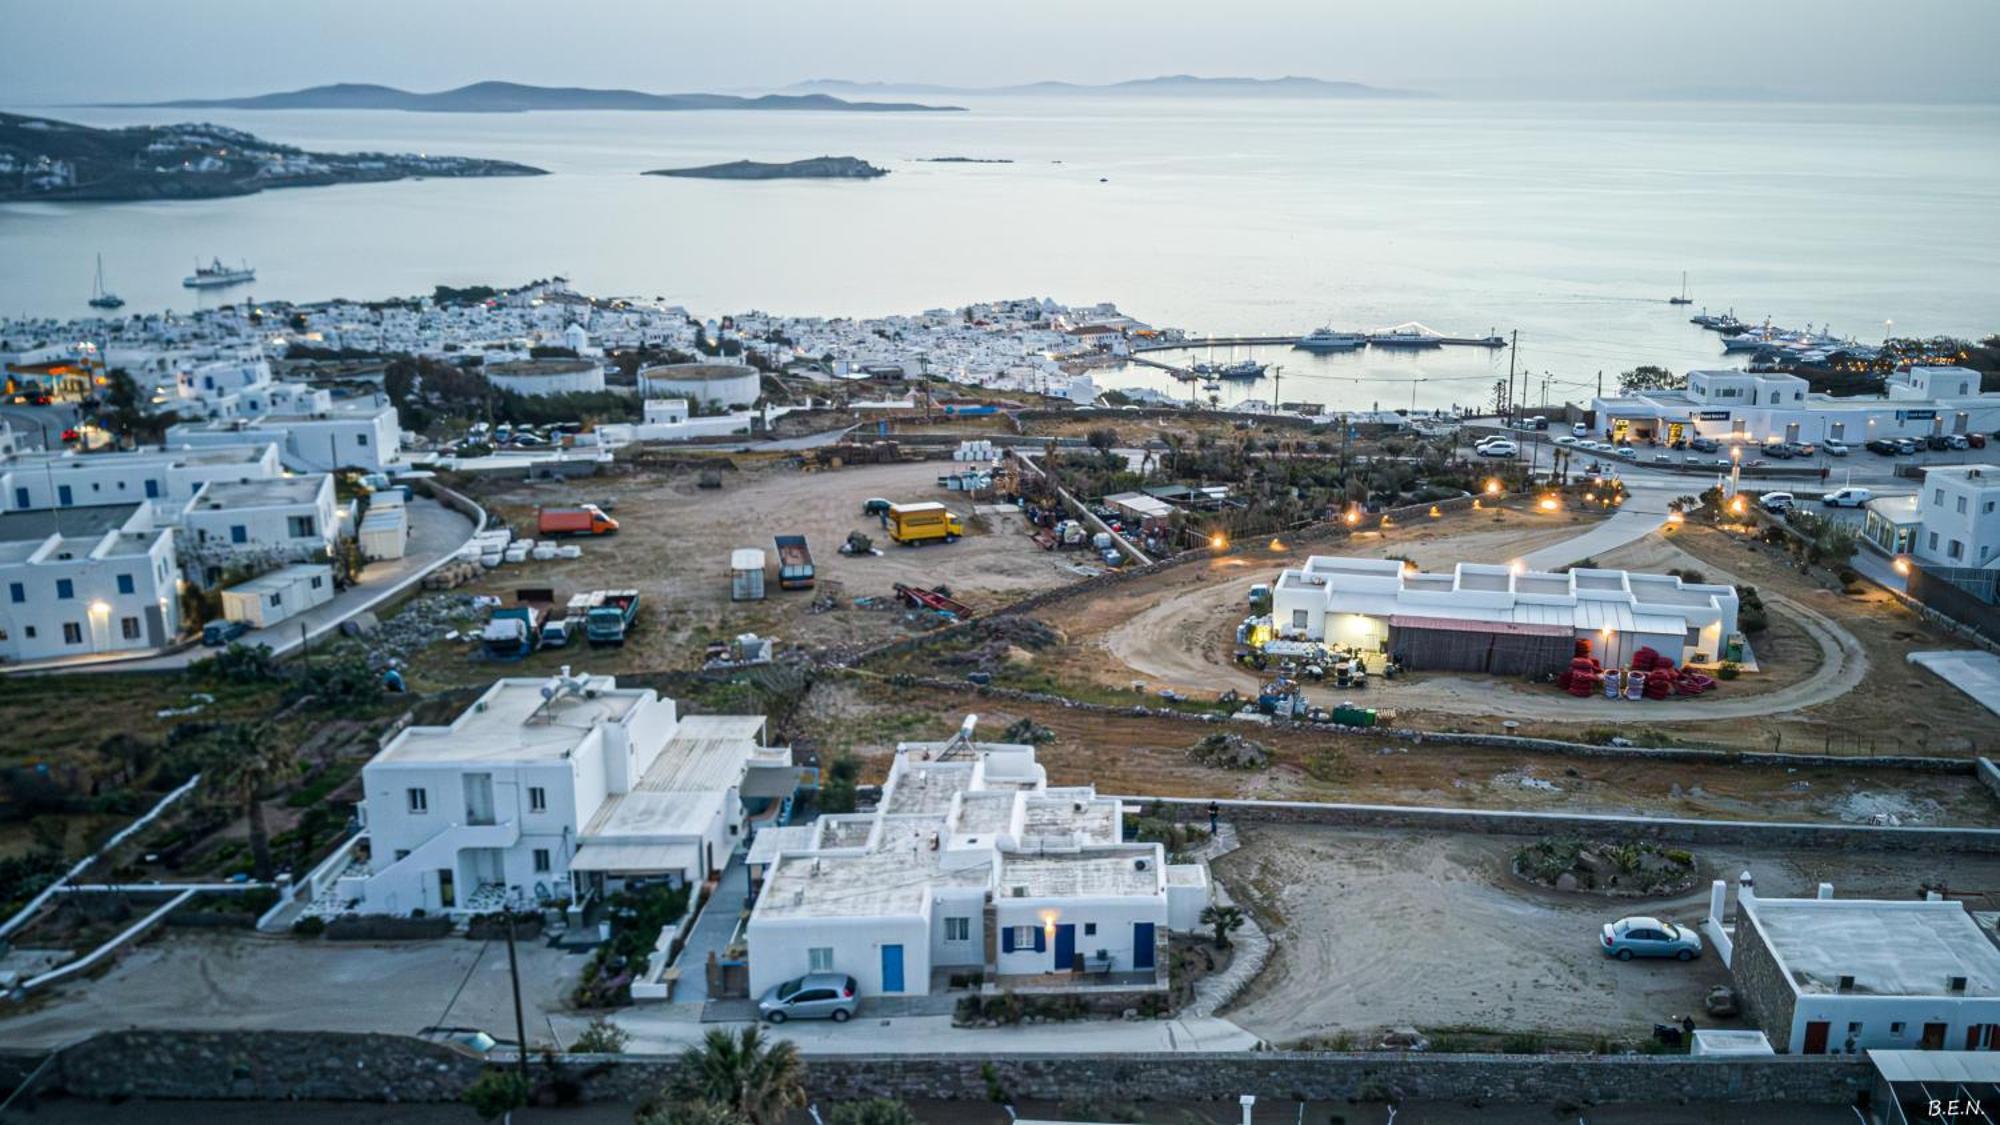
(1377, 929)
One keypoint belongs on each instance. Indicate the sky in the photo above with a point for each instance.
(1836, 50)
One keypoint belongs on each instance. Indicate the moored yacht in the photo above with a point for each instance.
(1329, 339)
(216, 274)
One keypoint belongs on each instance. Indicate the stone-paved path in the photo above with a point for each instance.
(1252, 945)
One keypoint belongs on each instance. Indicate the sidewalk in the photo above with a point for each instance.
(712, 930)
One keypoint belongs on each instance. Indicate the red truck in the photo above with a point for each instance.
(587, 520)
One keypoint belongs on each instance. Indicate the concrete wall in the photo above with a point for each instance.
(290, 1065)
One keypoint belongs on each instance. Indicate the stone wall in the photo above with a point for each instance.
(1761, 986)
(277, 1066)
(1837, 837)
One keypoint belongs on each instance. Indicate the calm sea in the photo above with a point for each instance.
(1569, 222)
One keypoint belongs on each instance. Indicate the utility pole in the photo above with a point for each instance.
(305, 645)
(1277, 381)
(514, 974)
(1513, 355)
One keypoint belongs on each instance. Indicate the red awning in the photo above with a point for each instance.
(1458, 625)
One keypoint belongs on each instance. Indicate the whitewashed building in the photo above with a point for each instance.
(356, 434)
(277, 519)
(1744, 406)
(108, 586)
(1485, 618)
(1958, 507)
(1841, 976)
(168, 478)
(556, 789)
(970, 862)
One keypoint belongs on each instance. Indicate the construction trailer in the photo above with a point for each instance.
(746, 575)
(384, 532)
(271, 598)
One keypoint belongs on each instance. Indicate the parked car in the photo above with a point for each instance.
(1907, 446)
(1703, 445)
(1881, 446)
(815, 996)
(216, 634)
(1565, 439)
(1956, 441)
(1627, 452)
(1775, 501)
(1802, 448)
(1649, 937)
(1834, 448)
(1937, 442)
(1846, 498)
(1663, 459)
(1500, 447)
(1976, 441)
(1579, 430)
(1778, 451)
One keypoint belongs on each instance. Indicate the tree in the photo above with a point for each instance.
(745, 1072)
(689, 1113)
(873, 1111)
(497, 1093)
(1650, 377)
(602, 1037)
(836, 792)
(1225, 919)
(1103, 439)
(241, 763)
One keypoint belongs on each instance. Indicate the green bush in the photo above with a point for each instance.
(1729, 670)
(312, 925)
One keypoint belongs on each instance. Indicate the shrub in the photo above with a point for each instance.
(312, 925)
(1729, 670)
(602, 1037)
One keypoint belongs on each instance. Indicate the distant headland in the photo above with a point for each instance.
(515, 97)
(1166, 85)
(817, 168)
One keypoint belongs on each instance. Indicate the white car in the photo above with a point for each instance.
(1846, 498)
(1565, 439)
(1627, 452)
(1775, 501)
(1499, 447)
(1833, 448)
(1579, 430)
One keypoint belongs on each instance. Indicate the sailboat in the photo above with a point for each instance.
(100, 297)
(1683, 299)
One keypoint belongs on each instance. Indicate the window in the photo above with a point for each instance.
(17, 592)
(420, 801)
(303, 527)
(541, 860)
(65, 588)
(1961, 505)
(1854, 1028)
(402, 854)
(361, 439)
(1933, 540)
(820, 959)
(1298, 619)
(1090, 929)
(1896, 1028)
(129, 626)
(1956, 550)
(126, 585)
(72, 633)
(1024, 936)
(1693, 635)
(317, 581)
(958, 929)
(1937, 498)
(538, 799)
(238, 533)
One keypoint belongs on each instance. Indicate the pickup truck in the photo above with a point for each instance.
(608, 622)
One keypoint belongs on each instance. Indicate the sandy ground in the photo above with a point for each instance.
(675, 540)
(1376, 929)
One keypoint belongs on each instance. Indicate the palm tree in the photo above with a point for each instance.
(746, 1072)
(243, 762)
(1224, 919)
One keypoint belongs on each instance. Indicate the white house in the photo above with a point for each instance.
(970, 861)
(1840, 976)
(277, 519)
(1959, 509)
(1916, 402)
(557, 789)
(1483, 618)
(110, 585)
(31, 481)
(361, 434)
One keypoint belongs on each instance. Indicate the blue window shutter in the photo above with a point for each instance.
(1007, 939)
(1041, 939)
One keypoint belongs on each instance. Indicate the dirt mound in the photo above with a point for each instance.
(1229, 752)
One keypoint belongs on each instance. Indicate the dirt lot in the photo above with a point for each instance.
(1132, 755)
(675, 540)
(1374, 930)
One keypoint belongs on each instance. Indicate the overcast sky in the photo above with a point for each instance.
(65, 51)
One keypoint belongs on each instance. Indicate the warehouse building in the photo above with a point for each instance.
(1494, 619)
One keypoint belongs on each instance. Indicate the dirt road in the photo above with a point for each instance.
(1375, 930)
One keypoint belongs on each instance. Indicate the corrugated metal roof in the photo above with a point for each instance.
(636, 859)
(1467, 625)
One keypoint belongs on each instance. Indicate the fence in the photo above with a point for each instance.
(1966, 595)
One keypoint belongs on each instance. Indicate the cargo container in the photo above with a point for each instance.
(795, 563)
(746, 575)
(384, 533)
(587, 520)
(269, 599)
(916, 524)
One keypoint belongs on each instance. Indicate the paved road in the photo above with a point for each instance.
(437, 532)
(32, 423)
(1975, 673)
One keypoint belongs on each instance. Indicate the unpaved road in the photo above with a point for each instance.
(1375, 930)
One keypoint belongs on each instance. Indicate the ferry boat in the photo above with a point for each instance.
(1329, 339)
(100, 297)
(216, 274)
(1407, 335)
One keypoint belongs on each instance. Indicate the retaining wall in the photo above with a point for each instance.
(278, 1066)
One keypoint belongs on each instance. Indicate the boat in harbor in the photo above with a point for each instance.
(1241, 369)
(1683, 299)
(215, 274)
(1409, 334)
(1329, 339)
(1725, 323)
(100, 297)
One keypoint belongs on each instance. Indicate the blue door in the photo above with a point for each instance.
(892, 968)
(63, 497)
(1142, 945)
(21, 498)
(152, 489)
(1065, 948)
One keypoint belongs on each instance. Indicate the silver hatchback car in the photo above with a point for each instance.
(815, 996)
(1649, 937)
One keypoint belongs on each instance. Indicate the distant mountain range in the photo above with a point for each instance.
(1290, 86)
(514, 97)
(817, 168)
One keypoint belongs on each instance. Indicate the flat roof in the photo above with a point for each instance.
(71, 523)
(897, 878)
(926, 788)
(1057, 815)
(635, 859)
(268, 492)
(1123, 871)
(706, 752)
(512, 724)
(654, 814)
(1889, 948)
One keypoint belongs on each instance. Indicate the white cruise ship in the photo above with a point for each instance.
(216, 274)
(1329, 340)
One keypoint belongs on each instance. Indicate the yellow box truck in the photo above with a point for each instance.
(914, 525)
